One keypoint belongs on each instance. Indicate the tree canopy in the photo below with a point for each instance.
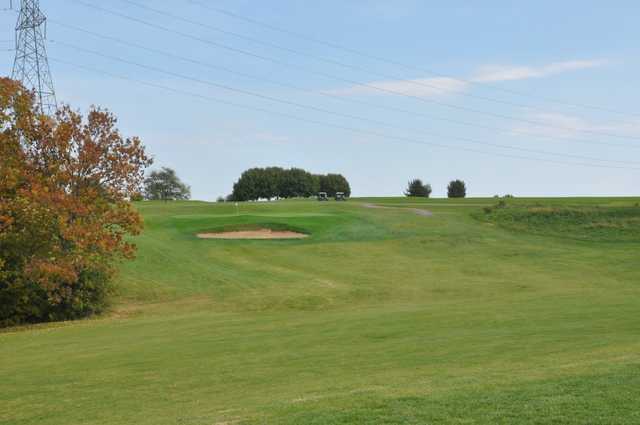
(418, 189)
(64, 215)
(276, 182)
(457, 189)
(164, 185)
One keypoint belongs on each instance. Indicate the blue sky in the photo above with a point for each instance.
(518, 55)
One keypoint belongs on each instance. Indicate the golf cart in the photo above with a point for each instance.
(322, 196)
(340, 196)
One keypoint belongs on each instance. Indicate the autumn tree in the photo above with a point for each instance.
(164, 185)
(65, 182)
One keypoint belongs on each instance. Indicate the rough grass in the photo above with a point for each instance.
(380, 317)
(597, 223)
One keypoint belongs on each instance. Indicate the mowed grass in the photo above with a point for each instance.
(381, 316)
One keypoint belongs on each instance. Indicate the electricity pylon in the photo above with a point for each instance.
(31, 65)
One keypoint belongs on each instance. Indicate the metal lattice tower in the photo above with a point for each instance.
(31, 65)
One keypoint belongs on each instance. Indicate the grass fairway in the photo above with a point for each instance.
(381, 316)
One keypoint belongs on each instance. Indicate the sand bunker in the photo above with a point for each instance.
(254, 234)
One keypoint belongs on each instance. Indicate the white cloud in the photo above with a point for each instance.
(430, 87)
(497, 73)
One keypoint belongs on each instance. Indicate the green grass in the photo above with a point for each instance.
(522, 315)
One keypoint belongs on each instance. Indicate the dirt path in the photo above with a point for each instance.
(423, 213)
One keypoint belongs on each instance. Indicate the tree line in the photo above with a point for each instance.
(281, 183)
(253, 184)
(455, 189)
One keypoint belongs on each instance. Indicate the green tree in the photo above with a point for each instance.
(164, 185)
(457, 189)
(251, 186)
(269, 182)
(418, 189)
(296, 183)
(334, 183)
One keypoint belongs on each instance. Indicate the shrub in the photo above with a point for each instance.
(24, 301)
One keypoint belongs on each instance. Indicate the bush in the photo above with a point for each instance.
(24, 301)
(457, 189)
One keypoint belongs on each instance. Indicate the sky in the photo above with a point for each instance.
(524, 98)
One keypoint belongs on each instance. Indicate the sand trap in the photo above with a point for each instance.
(254, 234)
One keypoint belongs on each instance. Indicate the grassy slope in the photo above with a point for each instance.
(382, 316)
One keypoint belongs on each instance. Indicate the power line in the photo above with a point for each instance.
(358, 68)
(322, 110)
(396, 63)
(321, 59)
(328, 60)
(328, 95)
(324, 124)
(346, 80)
